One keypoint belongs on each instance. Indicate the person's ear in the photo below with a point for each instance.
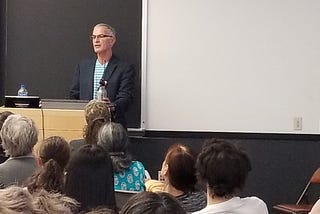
(39, 161)
(113, 40)
(164, 169)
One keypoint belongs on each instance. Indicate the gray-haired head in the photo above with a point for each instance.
(114, 139)
(109, 27)
(19, 135)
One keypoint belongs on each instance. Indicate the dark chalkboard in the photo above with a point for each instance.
(46, 39)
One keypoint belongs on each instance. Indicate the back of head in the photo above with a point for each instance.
(56, 148)
(89, 178)
(152, 203)
(114, 139)
(50, 177)
(180, 163)
(16, 199)
(49, 202)
(102, 210)
(223, 166)
(19, 135)
(97, 113)
(3, 116)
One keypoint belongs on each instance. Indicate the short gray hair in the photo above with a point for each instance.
(19, 134)
(109, 27)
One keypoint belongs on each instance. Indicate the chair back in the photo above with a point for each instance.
(122, 196)
(315, 179)
(300, 208)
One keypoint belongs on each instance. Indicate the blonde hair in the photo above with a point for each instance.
(54, 203)
(97, 113)
(17, 200)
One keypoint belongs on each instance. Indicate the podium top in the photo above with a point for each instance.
(63, 104)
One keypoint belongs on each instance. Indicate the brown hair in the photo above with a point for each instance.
(56, 148)
(50, 177)
(181, 167)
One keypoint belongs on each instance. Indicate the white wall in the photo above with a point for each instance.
(233, 65)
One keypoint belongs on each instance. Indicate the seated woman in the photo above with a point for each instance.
(128, 175)
(54, 154)
(224, 169)
(179, 173)
(89, 178)
(19, 134)
(150, 203)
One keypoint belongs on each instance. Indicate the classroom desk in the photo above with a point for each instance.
(67, 123)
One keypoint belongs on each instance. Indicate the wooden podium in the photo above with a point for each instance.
(63, 118)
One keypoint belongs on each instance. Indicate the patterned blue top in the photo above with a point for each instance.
(132, 179)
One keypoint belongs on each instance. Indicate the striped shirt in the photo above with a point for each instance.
(98, 73)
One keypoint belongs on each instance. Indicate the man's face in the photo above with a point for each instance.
(102, 39)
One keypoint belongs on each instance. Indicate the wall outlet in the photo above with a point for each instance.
(297, 123)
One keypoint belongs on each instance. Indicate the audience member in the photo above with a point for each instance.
(179, 173)
(54, 154)
(49, 202)
(19, 135)
(316, 208)
(89, 178)
(128, 174)
(97, 113)
(14, 199)
(56, 148)
(3, 117)
(152, 203)
(102, 210)
(224, 169)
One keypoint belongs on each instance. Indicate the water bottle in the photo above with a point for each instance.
(102, 93)
(22, 91)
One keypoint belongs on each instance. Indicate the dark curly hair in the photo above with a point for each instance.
(223, 167)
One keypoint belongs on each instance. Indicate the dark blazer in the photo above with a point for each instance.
(120, 84)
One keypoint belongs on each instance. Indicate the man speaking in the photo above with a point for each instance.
(119, 75)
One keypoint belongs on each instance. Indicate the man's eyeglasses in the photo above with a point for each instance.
(100, 36)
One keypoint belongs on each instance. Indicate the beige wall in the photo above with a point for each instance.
(62, 122)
